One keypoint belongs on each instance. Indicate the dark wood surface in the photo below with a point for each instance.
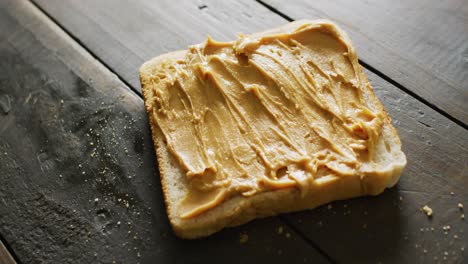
(46, 140)
(71, 133)
(421, 44)
(125, 34)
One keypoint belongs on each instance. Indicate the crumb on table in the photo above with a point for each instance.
(243, 238)
(427, 210)
(280, 230)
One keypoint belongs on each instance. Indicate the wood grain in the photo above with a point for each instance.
(79, 181)
(383, 228)
(423, 45)
(125, 34)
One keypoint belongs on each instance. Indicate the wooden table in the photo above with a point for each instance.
(78, 176)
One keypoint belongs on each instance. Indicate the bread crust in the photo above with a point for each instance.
(239, 209)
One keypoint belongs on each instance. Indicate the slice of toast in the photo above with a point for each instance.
(383, 172)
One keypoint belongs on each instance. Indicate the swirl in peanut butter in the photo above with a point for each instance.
(265, 112)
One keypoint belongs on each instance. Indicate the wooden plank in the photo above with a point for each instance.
(77, 168)
(423, 45)
(124, 35)
(435, 145)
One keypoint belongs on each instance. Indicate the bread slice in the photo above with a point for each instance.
(390, 161)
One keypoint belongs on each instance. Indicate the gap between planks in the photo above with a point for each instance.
(136, 91)
(79, 42)
(306, 239)
(275, 11)
(380, 74)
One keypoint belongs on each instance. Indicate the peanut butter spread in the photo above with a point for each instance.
(276, 110)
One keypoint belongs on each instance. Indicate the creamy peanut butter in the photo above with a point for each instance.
(265, 112)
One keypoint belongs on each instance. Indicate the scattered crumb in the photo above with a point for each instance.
(329, 207)
(243, 238)
(452, 193)
(280, 230)
(118, 222)
(446, 228)
(96, 200)
(401, 198)
(427, 210)
(460, 205)
(288, 235)
(462, 216)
